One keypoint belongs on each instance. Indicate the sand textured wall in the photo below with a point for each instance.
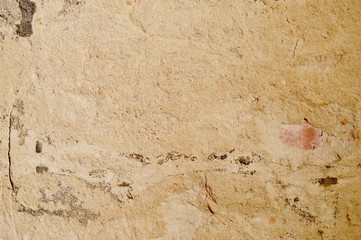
(180, 119)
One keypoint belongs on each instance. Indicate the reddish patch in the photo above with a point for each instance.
(304, 136)
(344, 121)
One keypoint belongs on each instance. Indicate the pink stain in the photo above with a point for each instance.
(304, 136)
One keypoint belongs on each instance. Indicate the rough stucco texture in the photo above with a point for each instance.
(160, 119)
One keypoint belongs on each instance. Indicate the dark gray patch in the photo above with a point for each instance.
(68, 204)
(15, 122)
(32, 212)
(81, 214)
(42, 169)
(328, 181)
(64, 196)
(27, 9)
(38, 147)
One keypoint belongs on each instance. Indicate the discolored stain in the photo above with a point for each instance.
(27, 9)
(38, 147)
(245, 160)
(124, 184)
(41, 169)
(356, 135)
(98, 173)
(174, 156)
(304, 214)
(217, 156)
(19, 106)
(138, 157)
(72, 7)
(23, 133)
(79, 213)
(348, 218)
(304, 136)
(130, 195)
(49, 140)
(64, 204)
(321, 233)
(328, 181)
(272, 221)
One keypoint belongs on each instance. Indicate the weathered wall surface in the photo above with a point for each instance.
(154, 119)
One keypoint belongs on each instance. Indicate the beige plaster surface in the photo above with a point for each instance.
(160, 119)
